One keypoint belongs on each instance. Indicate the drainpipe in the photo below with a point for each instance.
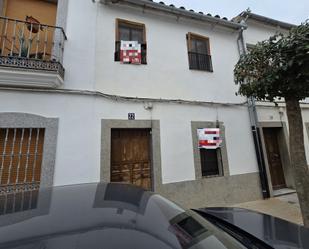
(256, 131)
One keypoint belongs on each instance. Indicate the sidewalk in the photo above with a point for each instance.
(285, 207)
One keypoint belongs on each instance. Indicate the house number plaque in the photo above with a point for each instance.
(131, 116)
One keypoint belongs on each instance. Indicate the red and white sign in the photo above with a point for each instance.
(209, 138)
(130, 52)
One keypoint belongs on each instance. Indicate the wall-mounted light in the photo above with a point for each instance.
(148, 106)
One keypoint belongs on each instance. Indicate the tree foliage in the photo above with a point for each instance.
(277, 67)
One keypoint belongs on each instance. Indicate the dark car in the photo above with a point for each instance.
(116, 216)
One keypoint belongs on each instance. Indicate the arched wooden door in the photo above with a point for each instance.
(131, 157)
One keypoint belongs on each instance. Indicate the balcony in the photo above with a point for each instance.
(31, 53)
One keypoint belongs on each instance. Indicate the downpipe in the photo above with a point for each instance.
(256, 130)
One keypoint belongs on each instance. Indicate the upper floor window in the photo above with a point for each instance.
(130, 31)
(199, 52)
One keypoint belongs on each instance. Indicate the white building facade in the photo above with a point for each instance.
(108, 121)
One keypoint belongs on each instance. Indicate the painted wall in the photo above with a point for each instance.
(79, 51)
(89, 64)
(167, 73)
(257, 31)
(44, 11)
(79, 137)
(86, 58)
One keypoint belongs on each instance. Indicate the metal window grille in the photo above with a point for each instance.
(21, 155)
(18, 202)
(200, 61)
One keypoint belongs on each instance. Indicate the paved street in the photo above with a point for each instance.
(285, 207)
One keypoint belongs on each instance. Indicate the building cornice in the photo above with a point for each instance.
(245, 15)
(179, 12)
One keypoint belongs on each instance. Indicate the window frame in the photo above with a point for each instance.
(190, 36)
(26, 120)
(131, 24)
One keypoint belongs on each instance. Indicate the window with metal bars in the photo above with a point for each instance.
(21, 155)
(211, 163)
(199, 52)
(130, 31)
(18, 201)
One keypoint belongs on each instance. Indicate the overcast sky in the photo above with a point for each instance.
(292, 11)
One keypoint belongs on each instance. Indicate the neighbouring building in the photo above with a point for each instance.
(272, 119)
(71, 110)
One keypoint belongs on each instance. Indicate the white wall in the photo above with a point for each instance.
(79, 137)
(89, 64)
(257, 32)
(167, 73)
(79, 51)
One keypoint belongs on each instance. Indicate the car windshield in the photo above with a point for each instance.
(105, 216)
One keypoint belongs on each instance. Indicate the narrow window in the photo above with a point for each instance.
(211, 162)
(130, 31)
(199, 53)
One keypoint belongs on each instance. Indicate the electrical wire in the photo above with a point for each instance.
(125, 98)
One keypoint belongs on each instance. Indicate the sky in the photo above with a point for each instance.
(291, 11)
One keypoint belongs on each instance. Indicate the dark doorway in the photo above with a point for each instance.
(131, 157)
(274, 157)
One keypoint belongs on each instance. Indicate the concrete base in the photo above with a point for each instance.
(217, 191)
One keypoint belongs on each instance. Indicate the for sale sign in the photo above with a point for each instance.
(209, 138)
(130, 52)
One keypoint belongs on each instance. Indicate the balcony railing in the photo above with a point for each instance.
(31, 45)
(199, 61)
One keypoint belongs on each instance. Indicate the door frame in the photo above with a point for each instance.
(155, 149)
(283, 138)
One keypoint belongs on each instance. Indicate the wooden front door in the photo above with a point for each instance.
(131, 157)
(274, 158)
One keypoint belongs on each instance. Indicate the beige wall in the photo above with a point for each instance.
(44, 11)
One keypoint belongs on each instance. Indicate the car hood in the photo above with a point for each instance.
(275, 232)
(96, 216)
(85, 216)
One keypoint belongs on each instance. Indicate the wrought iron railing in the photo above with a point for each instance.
(31, 45)
(21, 201)
(21, 156)
(199, 61)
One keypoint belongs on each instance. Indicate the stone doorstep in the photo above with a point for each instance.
(283, 191)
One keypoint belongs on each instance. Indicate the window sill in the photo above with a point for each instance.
(131, 63)
(201, 70)
(212, 176)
